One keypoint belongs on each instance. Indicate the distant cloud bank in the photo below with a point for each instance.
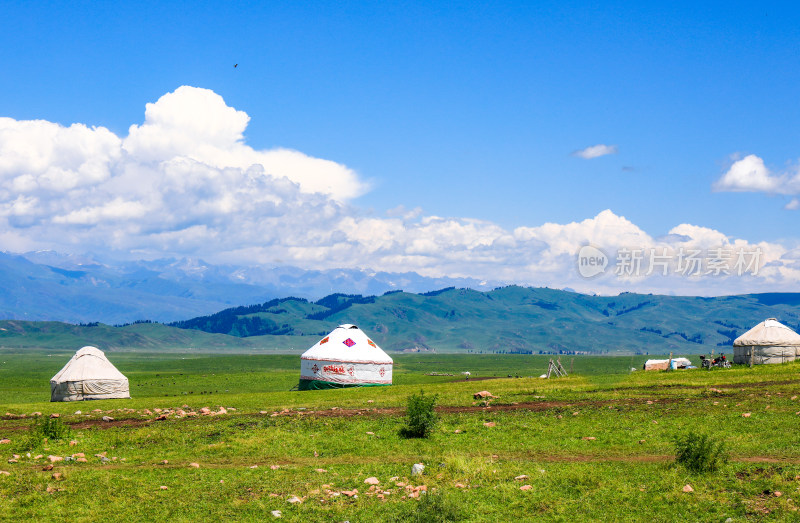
(595, 151)
(184, 183)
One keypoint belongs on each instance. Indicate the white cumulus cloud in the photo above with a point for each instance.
(185, 183)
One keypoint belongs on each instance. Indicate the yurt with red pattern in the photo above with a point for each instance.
(344, 358)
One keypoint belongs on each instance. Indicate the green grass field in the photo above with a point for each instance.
(595, 446)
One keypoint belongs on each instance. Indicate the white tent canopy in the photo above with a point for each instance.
(344, 358)
(768, 342)
(88, 376)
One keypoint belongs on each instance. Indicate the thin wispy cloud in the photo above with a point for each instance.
(595, 151)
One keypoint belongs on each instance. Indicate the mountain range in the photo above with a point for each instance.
(508, 319)
(49, 286)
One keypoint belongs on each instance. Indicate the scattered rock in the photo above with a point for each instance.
(108, 418)
(575, 413)
(55, 415)
(460, 485)
(351, 493)
(793, 398)
(194, 465)
(53, 459)
(4, 473)
(521, 477)
(294, 499)
(457, 431)
(274, 467)
(81, 460)
(163, 487)
(589, 438)
(525, 487)
(5, 441)
(746, 415)
(372, 481)
(47, 467)
(73, 443)
(79, 455)
(253, 466)
(688, 488)
(417, 469)
(777, 493)
(164, 462)
(642, 442)
(490, 424)
(57, 476)
(78, 413)
(205, 411)
(321, 471)
(370, 433)
(276, 513)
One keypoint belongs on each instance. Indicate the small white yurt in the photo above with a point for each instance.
(344, 358)
(88, 376)
(768, 342)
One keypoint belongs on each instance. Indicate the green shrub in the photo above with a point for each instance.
(698, 453)
(52, 429)
(420, 416)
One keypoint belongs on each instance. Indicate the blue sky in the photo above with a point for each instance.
(468, 111)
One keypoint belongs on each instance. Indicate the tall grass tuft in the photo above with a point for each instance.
(51, 429)
(698, 453)
(420, 416)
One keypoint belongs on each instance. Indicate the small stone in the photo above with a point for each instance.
(525, 487)
(194, 465)
(688, 488)
(57, 476)
(372, 481)
(253, 466)
(521, 477)
(53, 459)
(641, 442)
(294, 499)
(457, 431)
(777, 493)
(321, 471)
(78, 413)
(108, 418)
(5, 441)
(73, 443)
(460, 485)
(274, 467)
(55, 415)
(746, 415)
(163, 487)
(370, 433)
(47, 467)
(793, 398)
(164, 462)
(12, 461)
(4, 473)
(589, 438)
(81, 460)
(490, 424)
(417, 469)
(276, 513)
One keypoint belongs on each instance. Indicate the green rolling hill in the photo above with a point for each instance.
(506, 320)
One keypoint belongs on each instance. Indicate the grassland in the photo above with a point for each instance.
(277, 443)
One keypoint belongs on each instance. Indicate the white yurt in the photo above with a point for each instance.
(88, 376)
(769, 342)
(344, 358)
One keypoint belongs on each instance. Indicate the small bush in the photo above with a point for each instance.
(420, 416)
(698, 453)
(52, 429)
